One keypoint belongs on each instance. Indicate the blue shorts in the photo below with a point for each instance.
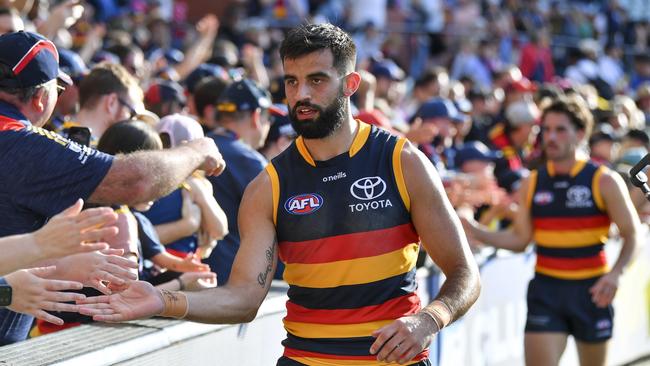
(565, 306)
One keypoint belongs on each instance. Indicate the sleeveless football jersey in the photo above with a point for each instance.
(570, 223)
(345, 234)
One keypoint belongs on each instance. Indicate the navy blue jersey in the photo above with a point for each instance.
(345, 235)
(570, 221)
(150, 245)
(243, 164)
(41, 174)
(169, 209)
(149, 241)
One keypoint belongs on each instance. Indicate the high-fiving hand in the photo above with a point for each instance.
(34, 295)
(139, 300)
(74, 231)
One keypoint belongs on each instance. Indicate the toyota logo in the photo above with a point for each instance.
(368, 188)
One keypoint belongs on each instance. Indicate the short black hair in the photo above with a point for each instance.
(207, 92)
(639, 135)
(309, 38)
(429, 76)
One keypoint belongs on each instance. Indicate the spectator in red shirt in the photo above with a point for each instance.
(536, 62)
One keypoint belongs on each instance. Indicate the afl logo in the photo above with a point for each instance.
(368, 188)
(303, 204)
(543, 198)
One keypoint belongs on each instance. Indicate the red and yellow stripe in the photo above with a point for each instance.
(391, 309)
(323, 359)
(348, 246)
(353, 271)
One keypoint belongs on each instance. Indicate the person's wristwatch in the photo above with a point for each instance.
(5, 293)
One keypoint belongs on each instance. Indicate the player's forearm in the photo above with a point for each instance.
(222, 305)
(628, 250)
(504, 239)
(461, 289)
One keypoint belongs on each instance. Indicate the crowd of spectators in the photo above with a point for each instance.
(464, 79)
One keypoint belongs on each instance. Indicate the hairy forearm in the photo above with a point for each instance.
(146, 175)
(460, 291)
(166, 170)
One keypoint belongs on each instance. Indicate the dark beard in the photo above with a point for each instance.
(328, 121)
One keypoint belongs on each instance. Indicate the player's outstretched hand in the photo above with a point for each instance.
(140, 300)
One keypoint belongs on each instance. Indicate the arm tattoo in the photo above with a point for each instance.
(261, 277)
(169, 296)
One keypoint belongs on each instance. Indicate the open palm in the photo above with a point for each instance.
(139, 300)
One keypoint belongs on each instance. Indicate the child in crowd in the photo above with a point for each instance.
(127, 137)
(188, 220)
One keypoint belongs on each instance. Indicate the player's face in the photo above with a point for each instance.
(559, 136)
(314, 90)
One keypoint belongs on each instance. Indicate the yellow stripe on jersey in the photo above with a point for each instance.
(577, 168)
(571, 238)
(399, 175)
(360, 139)
(573, 274)
(314, 330)
(302, 149)
(275, 187)
(595, 184)
(354, 271)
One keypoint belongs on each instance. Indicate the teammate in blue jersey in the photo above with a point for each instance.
(319, 63)
(566, 207)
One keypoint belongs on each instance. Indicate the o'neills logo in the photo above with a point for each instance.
(303, 204)
(337, 176)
